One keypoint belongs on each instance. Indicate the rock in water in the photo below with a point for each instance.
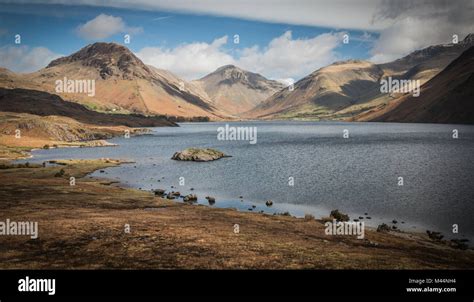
(159, 192)
(211, 200)
(190, 198)
(198, 154)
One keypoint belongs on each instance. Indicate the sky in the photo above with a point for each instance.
(280, 39)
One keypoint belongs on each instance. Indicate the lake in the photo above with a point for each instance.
(357, 175)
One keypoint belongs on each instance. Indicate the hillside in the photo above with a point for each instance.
(446, 98)
(235, 90)
(323, 92)
(44, 104)
(347, 89)
(51, 131)
(123, 83)
(426, 63)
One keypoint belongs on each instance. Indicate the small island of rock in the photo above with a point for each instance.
(198, 154)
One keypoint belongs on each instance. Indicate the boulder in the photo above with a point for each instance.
(170, 196)
(159, 192)
(434, 235)
(211, 200)
(339, 216)
(383, 228)
(198, 154)
(190, 198)
(269, 203)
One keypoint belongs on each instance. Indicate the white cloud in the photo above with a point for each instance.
(419, 24)
(284, 57)
(401, 39)
(26, 59)
(189, 61)
(398, 27)
(327, 13)
(403, 26)
(104, 26)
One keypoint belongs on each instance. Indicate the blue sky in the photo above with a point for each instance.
(279, 41)
(55, 26)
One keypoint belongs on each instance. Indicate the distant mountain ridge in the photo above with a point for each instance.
(429, 60)
(326, 90)
(235, 90)
(123, 83)
(346, 89)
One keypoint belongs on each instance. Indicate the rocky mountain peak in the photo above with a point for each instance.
(229, 75)
(234, 74)
(110, 59)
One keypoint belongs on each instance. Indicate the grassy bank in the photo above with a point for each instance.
(83, 226)
(20, 133)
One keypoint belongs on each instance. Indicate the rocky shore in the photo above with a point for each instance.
(97, 223)
(21, 133)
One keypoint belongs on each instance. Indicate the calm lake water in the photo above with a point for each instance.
(357, 175)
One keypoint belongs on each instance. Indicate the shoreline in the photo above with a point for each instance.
(402, 225)
(83, 228)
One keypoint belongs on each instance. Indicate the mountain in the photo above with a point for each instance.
(347, 89)
(235, 90)
(446, 98)
(324, 91)
(426, 63)
(123, 83)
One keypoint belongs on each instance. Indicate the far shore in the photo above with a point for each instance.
(98, 223)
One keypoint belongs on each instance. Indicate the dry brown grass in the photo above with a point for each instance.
(82, 226)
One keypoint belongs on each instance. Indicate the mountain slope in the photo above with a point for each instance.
(446, 98)
(123, 83)
(346, 89)
(425, 63)
(324, 91)
(234, 90)
(46, 104)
